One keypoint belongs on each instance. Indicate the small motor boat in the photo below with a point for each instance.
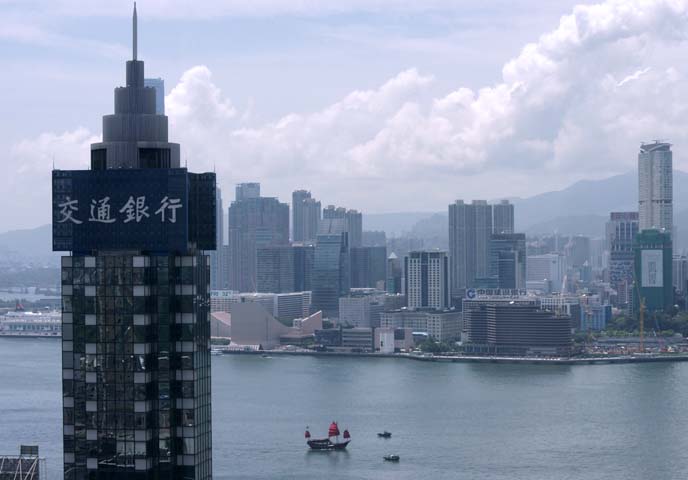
(391, 458)
(385, 434)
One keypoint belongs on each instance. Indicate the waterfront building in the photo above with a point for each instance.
(564, 305)
(655, 187)
(594, 314)
(368, 267)
(548, 267)
(253, 222)
(390, 340)
(20, 323)
(283, 306)
(515, 327)
(470, 227)
(503, 217)
(508, 260)
(653, 271)
(358, 339)
(361, 308)
(426, 280)
(622, 229)
(441, 325)
(306, 213)
(275, 269)
(159, 85)
(253, 325)
(135, 300)
(331, 269)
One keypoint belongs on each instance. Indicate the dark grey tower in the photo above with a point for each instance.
(135, 300)
(134, 136)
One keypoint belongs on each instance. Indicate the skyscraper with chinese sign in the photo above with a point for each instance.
(135, 300)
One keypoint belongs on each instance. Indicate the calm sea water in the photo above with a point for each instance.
(448, 421)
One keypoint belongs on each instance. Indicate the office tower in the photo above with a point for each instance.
(653, 271)
(622, 229)
(548, 269)
(217, 257)
(135, 300)
(470, 227)
(508, 260)
(354, 226)
(680, 274)
(159, 85)
(503, 217)
(353, 222)
(244, 191)
(275, 269)
(253, 222)
(426, 280)
(304, 257)
(368, 267)
(655, 187)
(306, 213)
(331, 271)
(393, 284)
(374, 238)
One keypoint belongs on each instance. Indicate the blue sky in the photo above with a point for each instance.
(381, 105)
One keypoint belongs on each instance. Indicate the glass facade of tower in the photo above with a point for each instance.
(135, 300)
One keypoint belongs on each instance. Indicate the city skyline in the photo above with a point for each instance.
(377, 153)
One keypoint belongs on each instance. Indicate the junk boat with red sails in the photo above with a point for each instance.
(331, 442)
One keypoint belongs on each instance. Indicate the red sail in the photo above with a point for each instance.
(346, 434)
(334, 430)
(308, 434)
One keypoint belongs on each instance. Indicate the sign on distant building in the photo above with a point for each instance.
(652, 268)
(483, 293)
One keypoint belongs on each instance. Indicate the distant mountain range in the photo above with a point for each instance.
(582, 208)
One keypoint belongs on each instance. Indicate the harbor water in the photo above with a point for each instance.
(448, 421)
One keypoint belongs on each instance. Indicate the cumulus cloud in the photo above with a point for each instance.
(558, 114)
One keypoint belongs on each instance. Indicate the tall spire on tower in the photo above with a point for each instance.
(135, 35)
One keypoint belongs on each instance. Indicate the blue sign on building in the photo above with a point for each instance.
(142, 209)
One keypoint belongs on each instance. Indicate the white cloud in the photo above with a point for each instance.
(557, 115)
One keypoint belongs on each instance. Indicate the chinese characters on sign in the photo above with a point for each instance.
(134, 210)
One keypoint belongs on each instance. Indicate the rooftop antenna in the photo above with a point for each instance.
(135, 35)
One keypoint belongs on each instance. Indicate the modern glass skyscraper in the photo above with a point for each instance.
(622, 229)
(135, 300)
(503, 217)
(508, 260)
(470, 227)
(655, 187)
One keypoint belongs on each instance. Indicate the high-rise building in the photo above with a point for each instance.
(254, 222)
(245, 191)
(426, 280)
(353, 222)
(548, 268)
(306, 213)
(368, 267)
(622, 229)
(653, 271)
(275, 269)
(218, 279)
(135, 300)
(508, 260)
(304, 257)
(331, 272)
(470, 227)
(393, 283)
(680, 274)
(159, 85)
(577, 251)
(655, 187)
(503, 217)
